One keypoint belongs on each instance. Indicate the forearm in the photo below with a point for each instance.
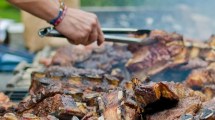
(44, 9)
(78, 26)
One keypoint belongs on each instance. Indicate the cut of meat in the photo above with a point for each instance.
(92, 58)
(200, 77)
(187, 105)
(68, 55)
(167, 52)
(117, 107)
(59, 105)
(155, 97)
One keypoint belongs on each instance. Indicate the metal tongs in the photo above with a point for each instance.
(52, 32)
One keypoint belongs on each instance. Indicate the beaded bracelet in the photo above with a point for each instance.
(59, 20)
(61, 14)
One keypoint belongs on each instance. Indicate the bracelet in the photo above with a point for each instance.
(58, 21)
(61, 13)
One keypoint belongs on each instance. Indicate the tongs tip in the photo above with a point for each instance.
(45, 31)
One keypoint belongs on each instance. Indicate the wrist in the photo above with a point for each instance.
(61, 13)
(53, 11)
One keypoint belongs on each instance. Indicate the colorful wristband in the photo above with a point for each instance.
(61, 13)
(53, 21)
(59, 20)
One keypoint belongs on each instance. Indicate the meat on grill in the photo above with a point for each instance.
(203, 79)
(68, 55)
(126, 101)
(190, 102)
(166, 52)
(71, 93)
(92, 58)
(6, 105)
(56, 94)
(61, 105)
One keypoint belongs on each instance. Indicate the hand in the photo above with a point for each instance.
(81, 27)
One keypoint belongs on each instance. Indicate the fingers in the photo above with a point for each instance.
(81, 27)
(100, 39)
(93, 36)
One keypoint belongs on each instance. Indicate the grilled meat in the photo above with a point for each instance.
(156, 57)
(187, 105)
(61, 96)
(92, 58)
(115, 105)
(61, 105)
(201, 77)
(189, 102)
(155, 97)
(68, 55)
(6, 105)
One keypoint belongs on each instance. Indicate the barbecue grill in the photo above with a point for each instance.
(111, 79)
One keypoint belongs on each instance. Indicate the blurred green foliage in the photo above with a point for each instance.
(8, 11)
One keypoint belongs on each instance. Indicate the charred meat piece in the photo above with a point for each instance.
(78, 79)
(68, 71)
(168, 51)
(114, 106)
(154, 97)
(190, 102)
(60, 105)
(200, 77)
(93, 58)
(113, 56)
(68, 55)
(189, 105)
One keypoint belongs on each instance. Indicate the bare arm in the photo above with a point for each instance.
(78, 26)
(44, 9)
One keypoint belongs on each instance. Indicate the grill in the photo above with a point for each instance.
(58, 82)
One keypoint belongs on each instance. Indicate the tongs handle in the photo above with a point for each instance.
(125, 31)
(51, 32)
